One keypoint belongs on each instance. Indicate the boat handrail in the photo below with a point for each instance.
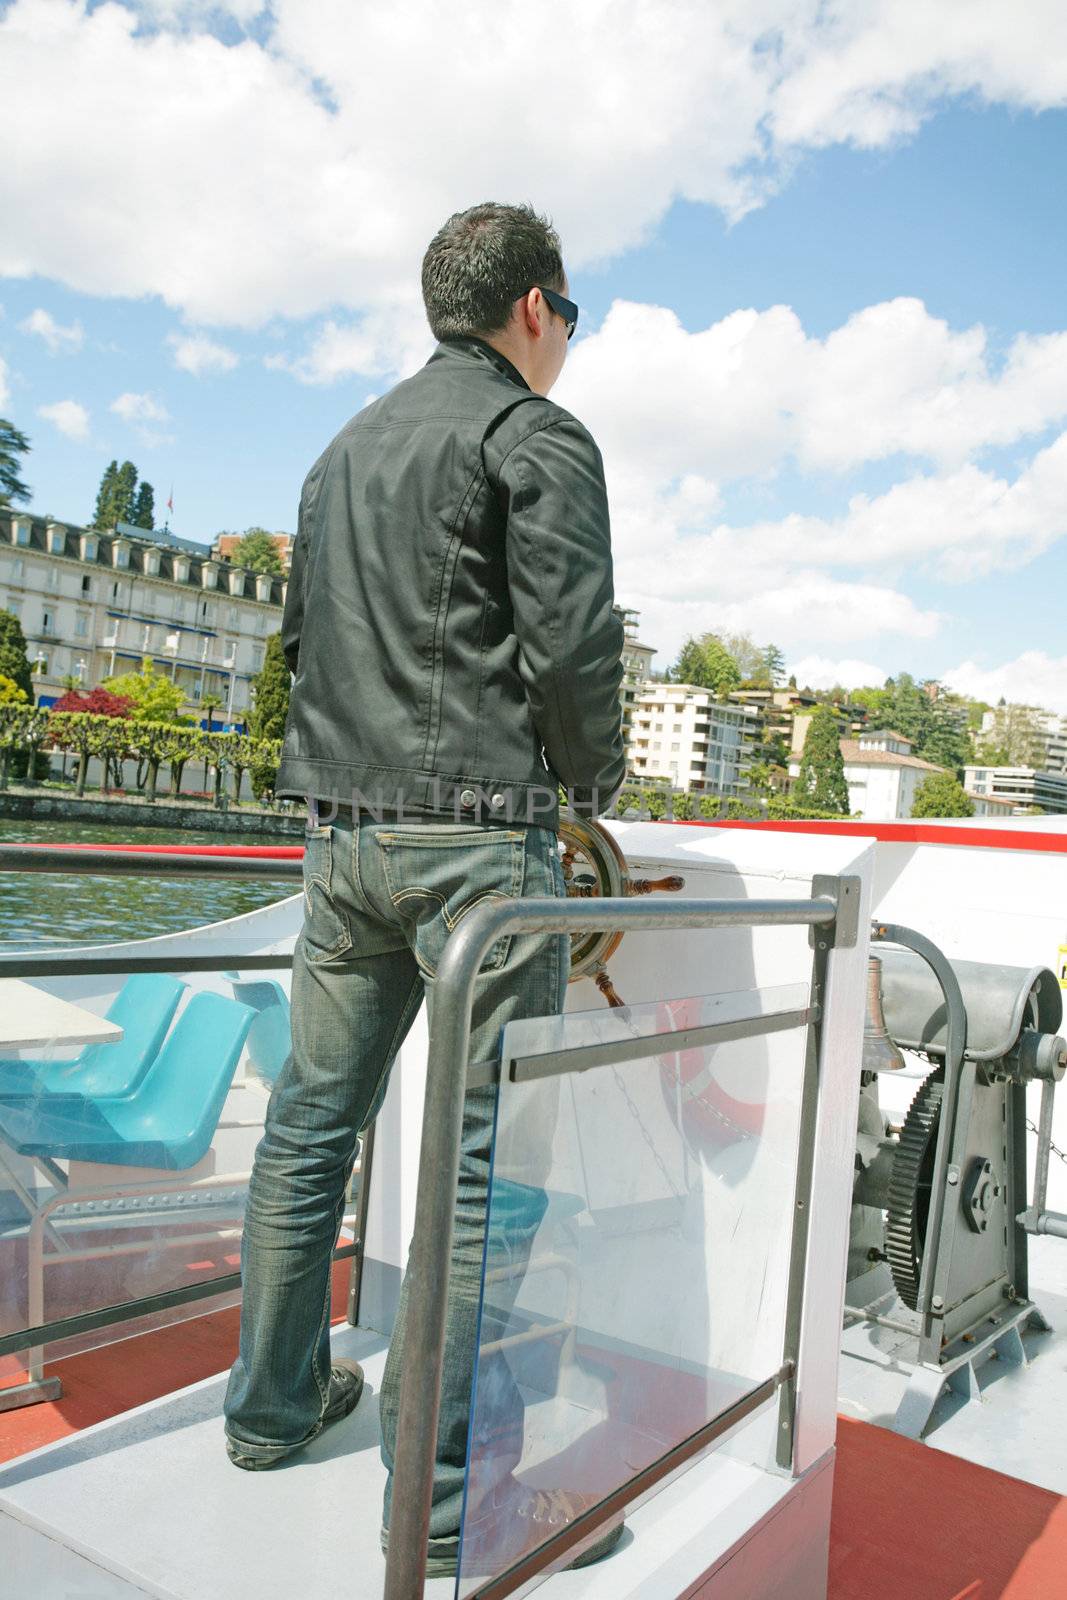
(831, 913)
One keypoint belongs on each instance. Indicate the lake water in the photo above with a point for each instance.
(39, 909)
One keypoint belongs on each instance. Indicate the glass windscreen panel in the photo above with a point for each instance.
(130, 1109)
(637, 1254)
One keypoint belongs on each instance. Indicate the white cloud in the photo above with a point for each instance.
(309, 168)
(819, 672)
(141, 411)
(136, 408)
(1034, 678)
(196, 353)
(961, 525)
(391, 342)
(60, 340)
(677, 594)
(678, 414)
(68, 416)
(754, 390)
(868, 73)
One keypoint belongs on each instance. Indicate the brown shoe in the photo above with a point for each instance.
(519, 1521)
(346, 1386)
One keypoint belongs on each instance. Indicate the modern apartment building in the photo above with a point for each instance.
(92, 604)
(636, 665)
(682, 735)
(1026, 787)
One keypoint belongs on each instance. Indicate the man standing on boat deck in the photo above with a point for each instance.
(456, 658)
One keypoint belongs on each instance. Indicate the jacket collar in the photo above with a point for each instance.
(471, 347)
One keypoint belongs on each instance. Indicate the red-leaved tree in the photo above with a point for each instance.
(98, 703)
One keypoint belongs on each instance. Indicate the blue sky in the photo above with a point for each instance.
(871, 479)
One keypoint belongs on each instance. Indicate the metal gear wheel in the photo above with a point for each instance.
(908, 1209)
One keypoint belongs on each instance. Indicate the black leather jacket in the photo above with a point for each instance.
(449, 611)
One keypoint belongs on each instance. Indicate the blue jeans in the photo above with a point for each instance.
(380, 900)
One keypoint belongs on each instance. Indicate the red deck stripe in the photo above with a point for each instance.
(884, 832)
(900, 833)
(268, 852)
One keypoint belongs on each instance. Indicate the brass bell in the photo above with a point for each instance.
(880, 1054)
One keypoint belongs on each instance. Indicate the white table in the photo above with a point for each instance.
(30, 1017)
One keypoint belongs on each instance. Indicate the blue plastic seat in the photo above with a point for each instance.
(270, 1037)
(144, 1008)
(168, 1121)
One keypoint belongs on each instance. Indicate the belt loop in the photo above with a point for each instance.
(312, 821)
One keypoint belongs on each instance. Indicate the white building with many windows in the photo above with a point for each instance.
(682, 735)
(636, 665)
(1025, 787)
(93, 604)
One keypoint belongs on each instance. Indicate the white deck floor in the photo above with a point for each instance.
(1017, 1427)
(148, 1504)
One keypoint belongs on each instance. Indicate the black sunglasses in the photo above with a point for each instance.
(560, 305)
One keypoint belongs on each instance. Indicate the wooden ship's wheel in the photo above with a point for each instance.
(594, 868)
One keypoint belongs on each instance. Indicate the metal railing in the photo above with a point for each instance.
(832, 915)
(28, 964)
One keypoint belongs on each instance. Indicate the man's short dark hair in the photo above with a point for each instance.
(479, 263)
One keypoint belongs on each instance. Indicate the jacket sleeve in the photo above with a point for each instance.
(295, 593)
(560, 580)
(293, 610)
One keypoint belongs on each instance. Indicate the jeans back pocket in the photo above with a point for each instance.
(435, 875)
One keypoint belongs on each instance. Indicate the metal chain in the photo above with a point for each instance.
(1056, 1151)
(635, 1113)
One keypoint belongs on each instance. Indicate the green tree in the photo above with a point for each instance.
(945, 740)
(934, 720)
(875, 700)
(103, 513)
(153, 697)
(10, 693)
(244, 755)
(144, 507)
(22, 728)
(271, 688)
(208, 702)
(14, 662)
(257, 551)
(125, 492)
(150, 744)
(218, 752)
(759, 778)
(1016, 739)
(185, 742)
(263, 773)
(706, 663)
(83, 734)
(821, 781)
(113, 749)
(941, 795)
(13, 445)
(746, 653)
(773, 665)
